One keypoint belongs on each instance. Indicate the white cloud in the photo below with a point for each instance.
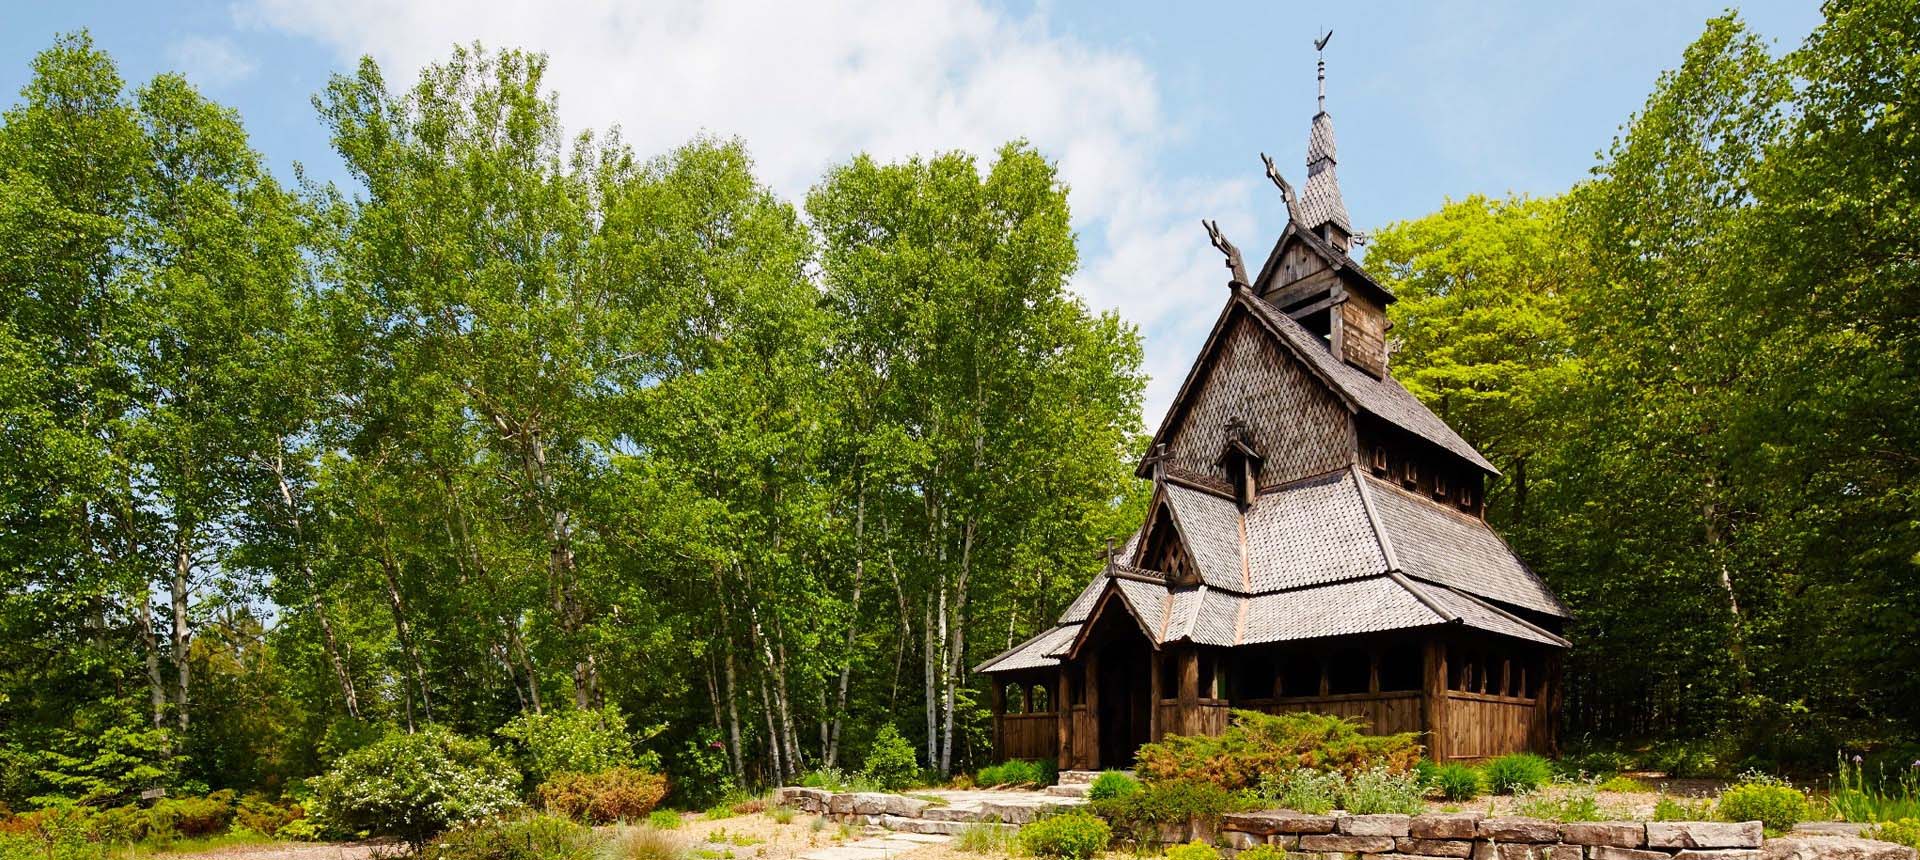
(808, 85)
(209, 60)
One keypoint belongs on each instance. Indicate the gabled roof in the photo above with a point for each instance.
(1332, 555)
(1347, 267)
(1383, 398)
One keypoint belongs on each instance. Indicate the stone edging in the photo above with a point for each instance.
(1473, 836)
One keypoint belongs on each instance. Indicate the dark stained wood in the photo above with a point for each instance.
(1433, 698)
(1156, 725)
(1298, 425)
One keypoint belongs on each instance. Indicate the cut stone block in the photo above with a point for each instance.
(1434, 847)
(1703, 834)
(1347, 844)
(1519, 830)
(1375, 825)
(1619, 834)
(1833, 848)
(1451, 825)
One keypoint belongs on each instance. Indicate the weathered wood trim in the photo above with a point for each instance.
(1434, 692)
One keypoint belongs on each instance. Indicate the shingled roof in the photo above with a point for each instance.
(1338, 554)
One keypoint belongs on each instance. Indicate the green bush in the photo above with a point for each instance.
(1263, 851)
(1112, 783)
(534, 837)
(1139, 816)
(574, 741)
(891, 763)
(1304, 790)
(1684, 759)
(1670, 809)
(1623, 785)
(1905, 831)
(1776, 805)
(1378, 791)
(1195, 850)
(1517, 772)
(415, 786)
(190, 817)
(1068, 836)
(1018, 771)
(700, 774)
(663, 819)
(615, 794)
(1256, 744)
(1457, 782)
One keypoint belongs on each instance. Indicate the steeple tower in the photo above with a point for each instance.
(1321, 208)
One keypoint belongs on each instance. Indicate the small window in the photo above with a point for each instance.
(1349, 671)
(1379, 459)
(1439, 486)
(1410, 474)
(1042, 703)
(1465, 498)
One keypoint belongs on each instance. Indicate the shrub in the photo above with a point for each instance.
(648, 843)
(190, 817)
(1256, 744)
(700, 774)
(535, 837)
(576, 741)
(1263, 851)
(718, 811)
(1377, 791)
(616, 794)
(1195, 850)
(985, 838)
(663, 819)
(891, 763)
(1776, 805)
(781, 814)
(1670, 809)
(1684, 759)
(1140, 816)
(265, 817)
(1069, 836)
(415, 786)
(1905, 831)
(299, 830)
(1303, 790)
(1600, 764)
(836, 780)
(1576, 803)
(1112, 783)
(1517, 772)
(1457, 782)
(1018, 771)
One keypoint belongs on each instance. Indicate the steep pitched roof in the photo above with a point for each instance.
(1381, 397)
(1333, 555)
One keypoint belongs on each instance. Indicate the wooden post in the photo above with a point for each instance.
(1547, 707)
(999, 699)
(1026, 698)
(1063, 724)
(1434, 699)
(1189, 691)
(1091, 683)
(1154, 695)
(1506, 676)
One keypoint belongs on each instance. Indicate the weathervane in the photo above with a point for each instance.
(1320, 47)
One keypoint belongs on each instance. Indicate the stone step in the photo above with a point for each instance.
(934, 827)
(1077, 777)
(1069, 789)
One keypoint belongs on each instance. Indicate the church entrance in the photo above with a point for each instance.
(1125, 712)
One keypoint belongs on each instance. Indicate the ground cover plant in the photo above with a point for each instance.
(614, 794)
(1018, 772)
(1456, 781)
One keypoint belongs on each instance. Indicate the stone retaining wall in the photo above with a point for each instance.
(1473, 836)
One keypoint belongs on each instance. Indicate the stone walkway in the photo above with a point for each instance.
(876, 847)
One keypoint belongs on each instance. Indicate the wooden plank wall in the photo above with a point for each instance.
(1382, 713)
(1482, 726)
(1029, 736)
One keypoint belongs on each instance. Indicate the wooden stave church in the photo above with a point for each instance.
(1315, 541)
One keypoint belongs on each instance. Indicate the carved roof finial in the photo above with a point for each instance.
(1234, 263)
(1320, 47)
(1280, 182)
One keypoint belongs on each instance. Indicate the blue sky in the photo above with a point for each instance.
(1156, 111)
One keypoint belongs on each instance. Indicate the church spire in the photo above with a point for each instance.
(1321, 208)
